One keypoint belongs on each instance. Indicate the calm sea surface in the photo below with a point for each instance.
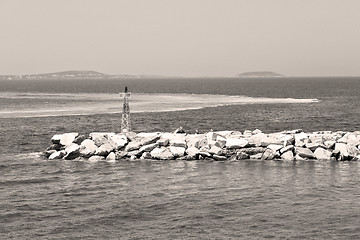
(41, 199)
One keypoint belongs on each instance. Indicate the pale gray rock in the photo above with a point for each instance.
(178, 143)
(163, 142)
(342, 148)
(104, 149)
(220, 141)
(352, 150)
(205, 154)
(287, 148)
(304, 153)
(215, 150)
(219, 158)
(48, 153)
(96, 158)
(288, 156)
(322, 154)
(192, 152)
(149, 147)
(119, 140)
(274, 147)
(301, 139)
(134, 145)
(120, 155)
(242, 156)
(111, 157)
(87, 148)
(177, 151)
(256, 156)
(145, 155)
(73, 151)
(330, 144)
(162, 154)
(314, 145)
(57, 155)
(270, 140)
(68, 138)
(211, 136)
(101, 138)
(256, 131)
(56, 138)
(235, 143)
(269, 154)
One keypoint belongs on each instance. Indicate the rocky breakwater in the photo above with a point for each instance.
(219, 146)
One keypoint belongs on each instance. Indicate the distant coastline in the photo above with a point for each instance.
(261, 74)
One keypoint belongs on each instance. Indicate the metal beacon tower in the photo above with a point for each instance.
(125, 118)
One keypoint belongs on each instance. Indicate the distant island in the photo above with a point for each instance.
(260, 74)
(98, 75)
(73, 75)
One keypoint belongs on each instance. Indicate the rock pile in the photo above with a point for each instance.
(219, 146)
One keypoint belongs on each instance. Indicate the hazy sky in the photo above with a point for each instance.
(181, 37)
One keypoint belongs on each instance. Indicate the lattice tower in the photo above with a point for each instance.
(125, 118)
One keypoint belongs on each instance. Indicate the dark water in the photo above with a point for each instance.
(42, 199)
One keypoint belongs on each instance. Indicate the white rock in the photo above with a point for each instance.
(56, 138)
(304, 152)
(215, 150)
(104, 149)
(211, 136)
(162, 154)
(148, 134)
(87, 148)
(234, 143)
(163, 142)
(342, 148)
(96, 158)
(329, 144)
(101, 138)
(120, 140)
(57, 155)
(322, 154)
(287, 148)
(193, 152)
(68, 138)
(266, 141)
(111, 157)
(274, 147)
(288, 155)
(177, 151)
(178, 143)
(352, 150)
(73, 151)
(149, 147)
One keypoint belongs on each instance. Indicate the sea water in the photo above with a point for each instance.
(41, 199)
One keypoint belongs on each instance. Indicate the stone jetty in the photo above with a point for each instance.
(213, 145)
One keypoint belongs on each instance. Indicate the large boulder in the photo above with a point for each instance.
(87, 148)
(322, 154)
(101, 138)
(216, 150)
(73, 151)
(120, 140)
(162, 154)
(192, 152)
(56, 138)
(352, 150)
(288, 156)
(304, 153)
(341, 147)
(269, 154)
(104, 149)
(314, 145)
(148, 148)
(68, 138)
(178, 143)
(286, 149)
(177, 151)
(270, 140)
(236, 143)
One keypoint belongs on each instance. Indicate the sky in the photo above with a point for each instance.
(181, 37)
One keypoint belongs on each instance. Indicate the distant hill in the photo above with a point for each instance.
(75, 75)
(260, 74)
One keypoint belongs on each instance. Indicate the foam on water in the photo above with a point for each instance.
(65, 104)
